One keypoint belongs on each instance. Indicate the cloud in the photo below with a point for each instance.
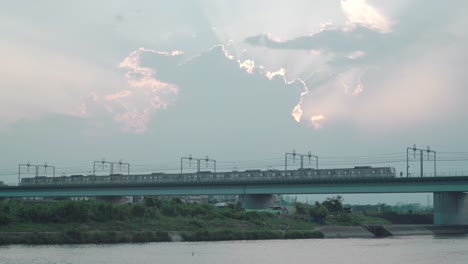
(337, 40)
(119, 95)
(133, 107)
(316, 121)
(360, 13)
(238, 90)
(378, 71)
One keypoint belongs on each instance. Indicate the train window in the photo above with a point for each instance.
(373, 171)
(359, 172)
(273, 174)
(248, 174)
(289, 174)
(282, 174)
(329, 172)
(261, 173)
(381, 171)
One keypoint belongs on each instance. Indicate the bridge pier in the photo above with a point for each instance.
(113, 199)
(257, 201)
(450, 208)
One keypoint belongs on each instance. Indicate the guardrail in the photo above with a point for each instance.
(440, 174)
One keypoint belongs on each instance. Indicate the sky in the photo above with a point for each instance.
(354, 82)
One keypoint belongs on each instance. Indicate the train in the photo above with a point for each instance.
(231, 177)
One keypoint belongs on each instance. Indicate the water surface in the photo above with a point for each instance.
(417, 249)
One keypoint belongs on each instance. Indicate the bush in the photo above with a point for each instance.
(4, 219)
(138, 211)
(72, 236)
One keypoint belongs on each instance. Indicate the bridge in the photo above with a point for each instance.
(450, 199)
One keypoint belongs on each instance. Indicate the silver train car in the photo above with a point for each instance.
(362, 172)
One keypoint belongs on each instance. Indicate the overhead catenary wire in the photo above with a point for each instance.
(264, 163)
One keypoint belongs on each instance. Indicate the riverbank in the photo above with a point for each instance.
(327, 232)
(112, 237)
(77, 222)
(96, 222)
(374, 231)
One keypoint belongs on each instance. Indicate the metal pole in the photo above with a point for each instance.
(19, 174)
(407, 162)
(94, 168)
(286, 162)
(421, 158)
(435, 166)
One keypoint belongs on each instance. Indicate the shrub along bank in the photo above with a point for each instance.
(100, 222)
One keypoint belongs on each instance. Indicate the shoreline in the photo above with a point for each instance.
(320, 232)
(378, 231)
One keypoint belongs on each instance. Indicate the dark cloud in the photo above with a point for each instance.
(213, 89)
(421, 24)
(336, 40)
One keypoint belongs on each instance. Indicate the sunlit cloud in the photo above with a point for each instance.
(356, 54)
(359, 12)
(317, 120)
(248, 65)
(281, 72)
(133, 108)
(119, 95)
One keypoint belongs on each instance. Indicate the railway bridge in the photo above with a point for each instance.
(450, 197)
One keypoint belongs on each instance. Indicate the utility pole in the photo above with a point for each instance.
(45, 166)
(198, 160)
(26, 165)
(103, 163)
(294, 154)
(429, 151)
(120, 163)
(421, 159)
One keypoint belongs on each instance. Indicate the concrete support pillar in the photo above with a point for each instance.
(113, 199)
(257, 201)
(450, 208)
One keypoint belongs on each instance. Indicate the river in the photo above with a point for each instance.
(417, 249)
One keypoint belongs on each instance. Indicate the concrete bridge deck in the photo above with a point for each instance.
(344, 186)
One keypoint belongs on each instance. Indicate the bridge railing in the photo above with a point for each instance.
(441, 174)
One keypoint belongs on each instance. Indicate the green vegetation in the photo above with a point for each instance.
(100, 222)
(331, 212)
(385, 208)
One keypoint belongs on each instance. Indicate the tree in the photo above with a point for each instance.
(318, 211)
(152, 201)
(301, 208)
(334, 204)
